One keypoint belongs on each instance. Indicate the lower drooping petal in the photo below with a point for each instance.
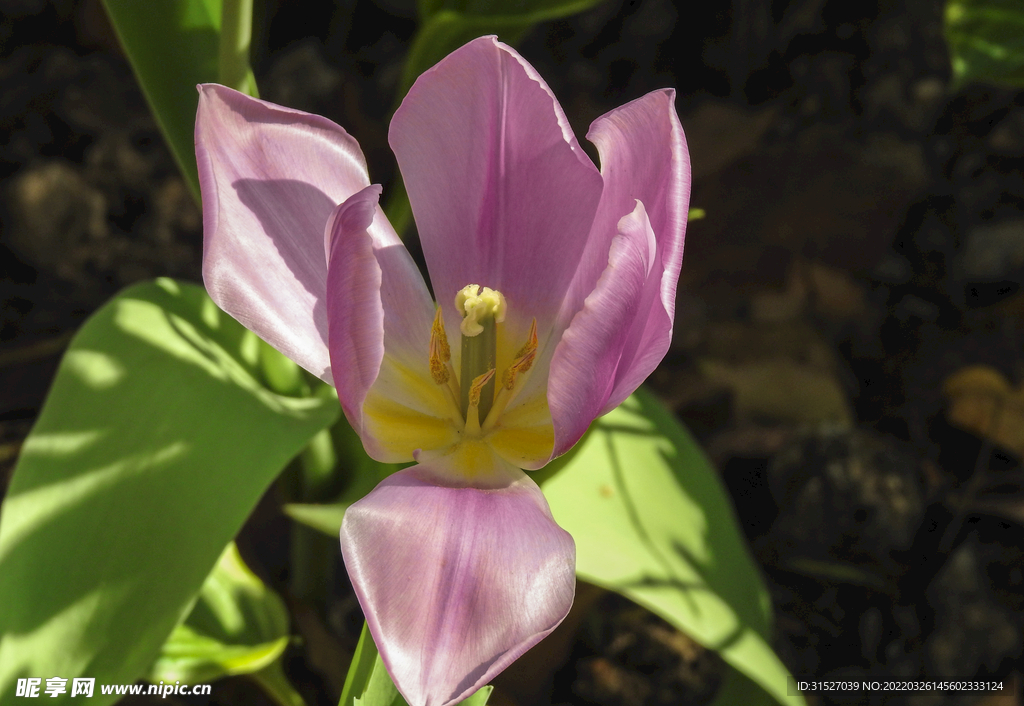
(456, 582)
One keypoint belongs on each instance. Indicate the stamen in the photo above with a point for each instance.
(440, 351)
(477, 387)
(475, 391)
(523, 361)
(440, 365)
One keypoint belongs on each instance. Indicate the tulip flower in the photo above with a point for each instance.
(554, 285)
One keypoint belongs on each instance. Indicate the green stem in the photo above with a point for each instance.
(235, 37)
(360, 669)
(276, 685)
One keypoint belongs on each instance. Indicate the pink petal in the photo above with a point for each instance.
(643, 157)
(502, 193)
(270, 177)
(583, 370)
(456, 582)
(379, 310)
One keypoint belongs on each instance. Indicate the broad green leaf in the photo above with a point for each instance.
(173, 45)
(737, 688)
(155, 443)
(986, 41)
(237, 626)
(652, 522)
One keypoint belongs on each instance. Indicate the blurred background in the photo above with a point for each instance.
(848, 342)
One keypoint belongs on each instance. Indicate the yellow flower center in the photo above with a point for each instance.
(477, 408)
(472, 396)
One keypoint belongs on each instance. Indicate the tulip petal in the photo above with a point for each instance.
(456, 582)
(502, 193)
(380, 312)
(270, 177)
(643, 157)
(583, 370)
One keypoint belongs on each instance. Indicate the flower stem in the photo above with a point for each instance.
(276, 685)
(235, 36)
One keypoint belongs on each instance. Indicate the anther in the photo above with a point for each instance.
(476, 389)
(440, 351)
(523, 360)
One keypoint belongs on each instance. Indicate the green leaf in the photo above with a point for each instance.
(986, 41)
(174, 45)
(652, 522)
(368, 682)
(323, 518)
(154, 445)
(532, 11)
(479, 698)
(237, 626)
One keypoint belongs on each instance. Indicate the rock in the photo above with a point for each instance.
(641, 659)
(56, 215)
(845, 495)
(974, 633)
(993, 251)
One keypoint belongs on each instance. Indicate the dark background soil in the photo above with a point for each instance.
(864, 240)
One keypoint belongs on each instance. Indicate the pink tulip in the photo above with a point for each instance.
(456, 561)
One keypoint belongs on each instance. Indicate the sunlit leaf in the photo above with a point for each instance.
(986, 40)
(652, 522)
(155, 443)
(323, 518)
(237, 626)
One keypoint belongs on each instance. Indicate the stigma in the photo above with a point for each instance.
(477, 307)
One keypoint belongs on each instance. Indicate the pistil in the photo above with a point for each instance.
(481, 312)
